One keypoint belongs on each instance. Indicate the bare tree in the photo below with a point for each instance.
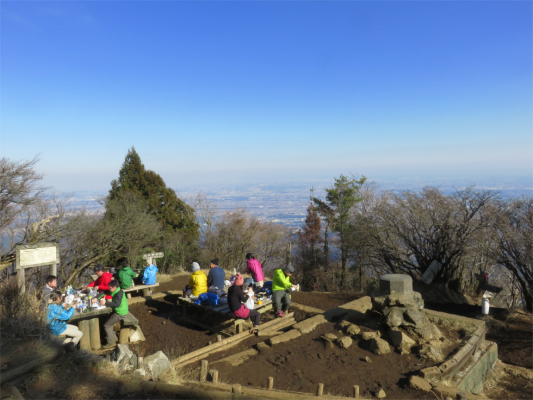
(19, 188)
(514, 250)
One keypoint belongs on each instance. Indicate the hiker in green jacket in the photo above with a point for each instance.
(119, 304)
(281, 290)
(126, 274)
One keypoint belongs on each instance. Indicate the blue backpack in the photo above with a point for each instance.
(207, 299)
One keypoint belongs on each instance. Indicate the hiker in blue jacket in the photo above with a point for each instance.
(149, 273)
(57, 317)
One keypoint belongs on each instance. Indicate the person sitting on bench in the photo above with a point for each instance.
(126, 274)
(216, 275)
(149, 273)
(102, 282)
(236, 298)
(119, 304)
(197, 282)
(47, 290)
(57, 318)
(281, 290)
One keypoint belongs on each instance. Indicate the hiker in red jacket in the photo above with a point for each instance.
(102, 282)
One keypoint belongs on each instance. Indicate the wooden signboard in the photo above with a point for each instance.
(36, 255)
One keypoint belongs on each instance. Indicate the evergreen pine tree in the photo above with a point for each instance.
(168, 208)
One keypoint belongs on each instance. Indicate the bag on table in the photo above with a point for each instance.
(207, 299)
(249, 303)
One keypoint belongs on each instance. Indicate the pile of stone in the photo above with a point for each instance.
(404, 317)
(150, 367)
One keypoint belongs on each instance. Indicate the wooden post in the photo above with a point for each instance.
(214, 376)
(270, 383)
(85, 341)
(94, 329)
(236, 389)
(219, 338)
(21, 278)
(209, 343)
(238, 327)
(355, 391)
(461, 396)
(53, 269)
(183, 309)
(146, 292)
(128, 295)
(124, 337)
(203, 370)
(320, 390)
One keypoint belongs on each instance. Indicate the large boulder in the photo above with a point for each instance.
(156, 364)
(379, 346)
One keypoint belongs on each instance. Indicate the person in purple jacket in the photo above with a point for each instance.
(253, 266)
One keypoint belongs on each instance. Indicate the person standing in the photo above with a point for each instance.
(253, 266)
(281, 289)
(216, 275)
(236, 300)
(57, 317)
(119, 304)
(149, 272)
(102, 282)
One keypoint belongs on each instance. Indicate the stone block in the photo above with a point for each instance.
(430, 373)
(285, 337)
(395, 284)
(156, 364)
(419, 383)
(308, 325)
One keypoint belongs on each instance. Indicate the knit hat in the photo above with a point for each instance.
(214, 261)
(289, 268)
(195, 267)
(239, 280)
(249, 255)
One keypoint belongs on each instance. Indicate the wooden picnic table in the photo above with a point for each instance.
(89, 324)
(222, 310)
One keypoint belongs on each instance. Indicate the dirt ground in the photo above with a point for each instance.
(300, 364)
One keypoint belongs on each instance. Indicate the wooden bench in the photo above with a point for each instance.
(125, 327)
(144, 288)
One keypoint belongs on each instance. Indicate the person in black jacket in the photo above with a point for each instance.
(236, 298)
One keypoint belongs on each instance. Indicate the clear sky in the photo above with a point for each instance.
(209, 92)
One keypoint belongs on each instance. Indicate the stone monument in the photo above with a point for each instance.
(403, 308)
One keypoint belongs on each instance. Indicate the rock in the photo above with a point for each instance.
(379, 346)
(345, 342)
(141, 374)
(134, 361)
(414, 316)
(381, 394)
(373, 324)
(419, 383)
(427, 331)
(368, 360)
(156, 364)
(394, 317)
(435, 355)
(427, 351)
(122, 354)
(400, 339)
(353, 330)
(330, 336)
(404, 352)
(370, 335)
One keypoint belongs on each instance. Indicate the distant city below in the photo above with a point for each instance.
(287, 203)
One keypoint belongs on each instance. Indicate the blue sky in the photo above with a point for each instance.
(209, 92)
